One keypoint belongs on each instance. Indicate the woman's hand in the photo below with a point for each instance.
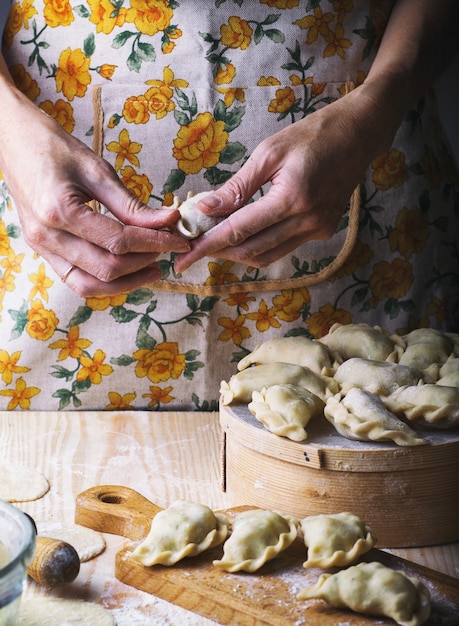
(52, 176)
(314, 165)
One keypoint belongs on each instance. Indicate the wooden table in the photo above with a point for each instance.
(164, 456)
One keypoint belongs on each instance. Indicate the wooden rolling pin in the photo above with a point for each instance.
(55, 562)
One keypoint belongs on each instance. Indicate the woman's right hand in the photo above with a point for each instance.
(52, 176)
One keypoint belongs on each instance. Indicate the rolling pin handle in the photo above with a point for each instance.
(55, 562)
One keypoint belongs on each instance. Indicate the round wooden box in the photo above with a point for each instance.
(409, 496)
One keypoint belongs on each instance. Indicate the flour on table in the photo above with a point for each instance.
(87, 542)
(21, 484)
(60, 612)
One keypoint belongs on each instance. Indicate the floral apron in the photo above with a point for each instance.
(176, 95)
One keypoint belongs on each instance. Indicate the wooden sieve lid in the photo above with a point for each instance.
(327, 449)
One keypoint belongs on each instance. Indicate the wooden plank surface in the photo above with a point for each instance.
(164, 456)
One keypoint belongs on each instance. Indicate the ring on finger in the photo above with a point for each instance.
(67, 273)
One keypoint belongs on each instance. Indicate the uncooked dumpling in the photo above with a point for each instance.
(374, 589)
(430, 405)
(184, 529)
(298, 350)
(362, 340)
(257, 536)
(335, 539)
(426, 350)
(362, 415)
(240, 386)
(285, 410)
(193, 222)
(379, 377)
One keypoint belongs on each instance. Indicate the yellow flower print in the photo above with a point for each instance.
(431, 169)
(265, 318)
(105, 16)
(410, 232)
(93, 368)
(19, 15)
(220, 273)
(72, 346)
(231, 94)
(24, 82)
(12, 262)
(125, 149)
(199, 143)
(41, 322)
(149, 16)
(136, 110)
(391, 280)
(72, 74)
(62, 112)
(138, 184)
(320, 323)
(6, 282)
(297, 80)
(41, 283)
(389, 170)
(268, 81)
(20, 396)
(160, 94)
(360, 256)
(9, 366)
(158, 396)
(234, 330)
(58, 13)
(161, 363)
(240, 299)
(102, 303)
(119, 402)
(337, 43)
(438, 309)
(281, 4)
(4, 239)
(236, 34)
(284, 100)
(317, 24)
(289, 303)
(225, 74)
(106, 70)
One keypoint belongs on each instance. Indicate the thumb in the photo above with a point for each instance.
(235, 193)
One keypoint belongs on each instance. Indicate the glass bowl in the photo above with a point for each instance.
(17, 544)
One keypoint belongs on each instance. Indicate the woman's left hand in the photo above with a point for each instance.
(314, 165)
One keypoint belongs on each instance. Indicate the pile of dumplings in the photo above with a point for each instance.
(257, 536)
(369, 384)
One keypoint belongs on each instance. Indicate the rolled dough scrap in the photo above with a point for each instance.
(87, 542)
(60, 612)
(21, 484)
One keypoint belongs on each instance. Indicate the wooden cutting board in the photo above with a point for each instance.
(267, 598)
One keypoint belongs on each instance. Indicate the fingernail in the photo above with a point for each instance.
(212, 201)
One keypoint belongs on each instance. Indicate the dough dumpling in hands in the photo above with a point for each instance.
(379, 377)
(362, 415)
(374, 589)
(240, 386)
(430, 405)
(193, 222)
(183, 529)
(335, 539)
(299, 350)
(285, 410)
(257, 537)
(362, 340)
